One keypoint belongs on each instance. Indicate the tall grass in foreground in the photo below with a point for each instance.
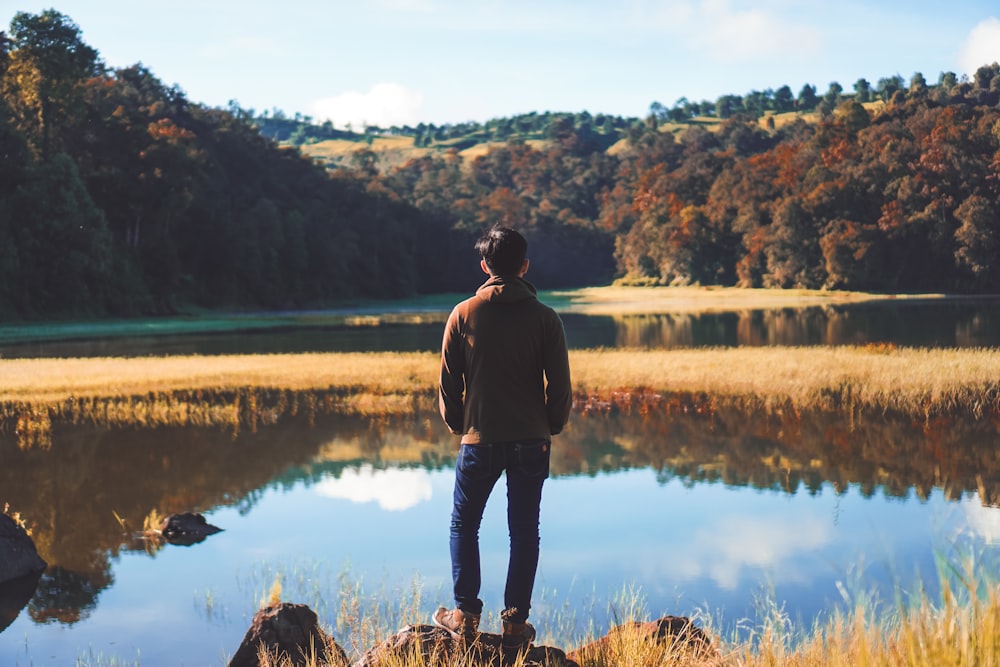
(960, 630)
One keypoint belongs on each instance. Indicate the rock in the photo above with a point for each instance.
(438, 647)
(186, 528)
(14, 594)
(18, 556)
(288, 631)
(676, 630)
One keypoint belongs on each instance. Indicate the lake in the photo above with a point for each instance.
(729, 516)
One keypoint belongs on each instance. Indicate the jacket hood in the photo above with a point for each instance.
(506, 289)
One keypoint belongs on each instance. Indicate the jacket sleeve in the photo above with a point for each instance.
(558, 387)
(451, 386)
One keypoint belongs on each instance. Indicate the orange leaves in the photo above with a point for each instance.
(166, 130)
(892, 217)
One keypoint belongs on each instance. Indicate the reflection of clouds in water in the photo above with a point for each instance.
(392, 489)
(982, 521)
(723, 550)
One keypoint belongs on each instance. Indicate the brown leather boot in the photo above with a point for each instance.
(457, 622)
(516, 636)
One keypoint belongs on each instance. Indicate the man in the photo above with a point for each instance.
(505, 388)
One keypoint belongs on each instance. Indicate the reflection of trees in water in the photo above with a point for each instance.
(66, 596)
(929, 324)
(71, 493)
(794, 451)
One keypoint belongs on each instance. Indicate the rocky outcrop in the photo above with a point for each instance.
(288, 632)
(20, 569)
(14, 595)
(186, 528)
(18, 556)
(439, 648)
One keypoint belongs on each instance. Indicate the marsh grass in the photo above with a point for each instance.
(244, 391)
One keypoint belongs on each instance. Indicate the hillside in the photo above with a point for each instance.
(394, 150)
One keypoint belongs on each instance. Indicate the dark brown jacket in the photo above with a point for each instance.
(504, 366)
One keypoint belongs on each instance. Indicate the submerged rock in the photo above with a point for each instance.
(18, 556)
(186, 528)
(438, 647)
(288, 632)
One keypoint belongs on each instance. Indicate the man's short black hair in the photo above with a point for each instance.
(503, 250)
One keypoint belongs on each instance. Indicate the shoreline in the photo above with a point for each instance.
(607, 300)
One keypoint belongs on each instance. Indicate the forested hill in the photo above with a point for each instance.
(118, 196)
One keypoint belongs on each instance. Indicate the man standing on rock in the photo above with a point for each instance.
(505, 388)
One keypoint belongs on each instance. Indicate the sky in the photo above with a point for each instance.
(399, 62)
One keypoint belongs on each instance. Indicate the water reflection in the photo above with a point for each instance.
(392, 490)
(74, 493)
(952, 323)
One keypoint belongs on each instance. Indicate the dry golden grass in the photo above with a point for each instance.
(926, 634)
(235, 391)
(479, 150)
(913, 381)
(47, 380)
(917, 381)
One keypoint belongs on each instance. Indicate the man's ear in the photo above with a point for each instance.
(486, 269)
(524, 268)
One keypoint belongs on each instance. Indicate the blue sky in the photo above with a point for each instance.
(446, 61)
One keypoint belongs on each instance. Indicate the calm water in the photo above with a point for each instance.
(724, 515)
(963, 323)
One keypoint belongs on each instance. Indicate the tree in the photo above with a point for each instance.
(889, 85)
(862, 90)
(63, 243)
(784, 100)
(46, 64)
(978, 241)
(727, 105)
(832, 96)
(807, 99)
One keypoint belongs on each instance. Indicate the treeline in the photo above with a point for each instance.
(300, 129)
(902, 195)
(118, 196)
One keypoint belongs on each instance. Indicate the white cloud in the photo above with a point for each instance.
(982, 46)
(983, 521)
(385, 105)
(734, 543)
(394, 490)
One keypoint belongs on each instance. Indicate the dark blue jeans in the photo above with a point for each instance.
(476, 472)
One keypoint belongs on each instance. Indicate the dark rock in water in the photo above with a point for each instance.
(14, 595)
(18, 556)
(288, 631)
(186, 529)
(437, 646)
(676, 630)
